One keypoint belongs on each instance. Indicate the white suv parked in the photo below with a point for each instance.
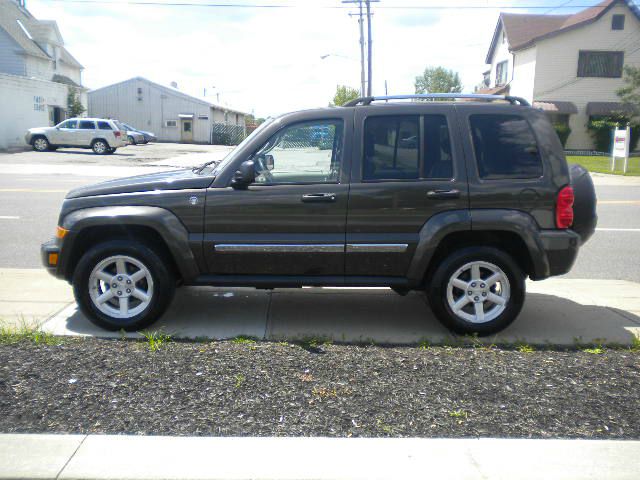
(101, 135)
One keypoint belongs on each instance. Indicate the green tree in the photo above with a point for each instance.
(438, 80)
(250, 119)
(630, 93)
(74, 106)
(343, 95)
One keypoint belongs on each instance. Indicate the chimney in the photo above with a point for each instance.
(174, 85)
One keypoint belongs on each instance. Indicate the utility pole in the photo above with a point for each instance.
(361, 25)
(369, 42)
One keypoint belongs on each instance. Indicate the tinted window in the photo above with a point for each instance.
(600, 64)
(308, 152)
(505, 147)
(104, 126)
(391, 148)
(438, 162)
(86, 125)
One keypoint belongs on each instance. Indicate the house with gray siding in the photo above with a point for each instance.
(36, 71)
(171, 114)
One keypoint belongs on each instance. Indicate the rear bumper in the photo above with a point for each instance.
(561, 250)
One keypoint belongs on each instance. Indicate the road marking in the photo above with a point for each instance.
(617, 229)
(30, 190)
(9, 217)
(618, 202)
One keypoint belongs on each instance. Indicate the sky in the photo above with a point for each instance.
(269, 61)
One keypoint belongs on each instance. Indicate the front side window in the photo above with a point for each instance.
(104, 126)
(308, 152)
(391, 148)
(73, 124)
(501, 73)
(600, 64)
(86, 125)
(505, 147)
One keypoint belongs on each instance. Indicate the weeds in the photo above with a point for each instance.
(525, 348)
(24, 333)
(595, 350)
(459, 414)
(156, 339)
(240, 378)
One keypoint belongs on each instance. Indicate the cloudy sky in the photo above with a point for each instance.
(268, 60)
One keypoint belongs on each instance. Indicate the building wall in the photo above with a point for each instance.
(557, 67)
(152, 108)
(20, 110)
(524, 74)
(39, 67)
(500, 54)
(11, 60)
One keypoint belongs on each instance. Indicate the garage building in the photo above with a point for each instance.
(166, 111)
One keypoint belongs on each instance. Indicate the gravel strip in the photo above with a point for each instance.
(265, 389)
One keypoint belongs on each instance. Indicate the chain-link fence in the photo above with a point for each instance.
(223, 134)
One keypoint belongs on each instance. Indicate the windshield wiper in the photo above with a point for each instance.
(200, 168)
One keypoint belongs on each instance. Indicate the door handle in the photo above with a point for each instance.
(442, 194)
(319, 197)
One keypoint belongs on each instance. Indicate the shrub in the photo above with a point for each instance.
(601, 130)
(563, 132)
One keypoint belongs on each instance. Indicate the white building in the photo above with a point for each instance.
(568, 65)
(36, 71)
(166, 111)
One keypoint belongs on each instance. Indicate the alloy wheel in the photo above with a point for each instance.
(121, 287)
(40, 144)
(99, 147)
(478, 292)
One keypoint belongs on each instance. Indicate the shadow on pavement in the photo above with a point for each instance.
(359, 315)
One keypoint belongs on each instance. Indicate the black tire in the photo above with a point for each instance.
(437, 290)
(52, 148)
(163, 284)
(111, 151)
(131, 140)
(100, 147)
(40, 143)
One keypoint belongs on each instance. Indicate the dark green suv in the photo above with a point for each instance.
(462, 199)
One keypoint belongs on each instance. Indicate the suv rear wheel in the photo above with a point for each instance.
(100, 147)
(477, 290)
(122, 285)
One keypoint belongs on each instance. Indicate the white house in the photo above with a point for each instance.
(166, 111)
(36, 71)
(568, 65)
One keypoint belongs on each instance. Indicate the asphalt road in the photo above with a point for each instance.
(29, 206)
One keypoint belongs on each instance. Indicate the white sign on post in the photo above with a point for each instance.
(620, 149)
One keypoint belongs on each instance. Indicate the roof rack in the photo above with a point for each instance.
(434, 96)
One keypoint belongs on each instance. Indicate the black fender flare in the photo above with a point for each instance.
(164, 222)
(476, 220)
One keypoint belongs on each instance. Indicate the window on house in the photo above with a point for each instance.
(600, 64)
(505, 147)
(617, 22)
(171, 123)
(501, 73)
(391, 149)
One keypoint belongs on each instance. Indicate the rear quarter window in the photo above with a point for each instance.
(504, 147)
(104, 126)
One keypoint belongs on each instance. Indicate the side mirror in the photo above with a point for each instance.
(245, 175)
(269, 162)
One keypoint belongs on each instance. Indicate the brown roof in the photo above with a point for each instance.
(523, 30)
(556, 106)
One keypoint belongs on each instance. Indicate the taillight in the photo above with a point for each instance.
(117, 133)
(564, 207)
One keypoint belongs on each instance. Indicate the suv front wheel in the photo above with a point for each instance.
(122, 285)
(477, 290)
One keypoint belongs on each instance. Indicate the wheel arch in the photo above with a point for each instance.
(154, 226)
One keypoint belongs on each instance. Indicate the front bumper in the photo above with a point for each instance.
(561, 249)
(50, 255)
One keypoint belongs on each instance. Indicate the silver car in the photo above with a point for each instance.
(101, 135)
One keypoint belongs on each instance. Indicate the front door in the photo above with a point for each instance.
(65, 133)
(406, 169)
(291, 220)
(186, 130)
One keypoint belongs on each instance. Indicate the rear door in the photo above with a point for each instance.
(86, 132)
(407, 167)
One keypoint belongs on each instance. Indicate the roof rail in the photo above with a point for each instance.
(433, 96)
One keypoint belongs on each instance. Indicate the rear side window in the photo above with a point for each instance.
(391, 148)
(505, 147)
(104, 126)
(438, 162)
(86, 125)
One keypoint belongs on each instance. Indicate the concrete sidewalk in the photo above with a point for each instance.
(137, 457)
(557, 311)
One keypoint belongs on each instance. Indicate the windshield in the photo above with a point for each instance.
(217, 165)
